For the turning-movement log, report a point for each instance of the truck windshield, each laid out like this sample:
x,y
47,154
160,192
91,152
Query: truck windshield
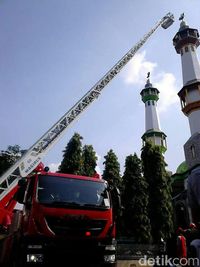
x,y
62,191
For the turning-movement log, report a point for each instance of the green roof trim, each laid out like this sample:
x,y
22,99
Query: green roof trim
x,y
146,98
150,89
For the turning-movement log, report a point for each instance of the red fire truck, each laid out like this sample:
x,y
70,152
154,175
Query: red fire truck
x,y
66,218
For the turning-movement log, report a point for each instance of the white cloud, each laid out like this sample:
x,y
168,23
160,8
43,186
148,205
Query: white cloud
x,y
137,69
168,91
53,167
136,73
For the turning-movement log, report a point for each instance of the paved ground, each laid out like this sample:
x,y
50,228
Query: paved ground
x,y
126,263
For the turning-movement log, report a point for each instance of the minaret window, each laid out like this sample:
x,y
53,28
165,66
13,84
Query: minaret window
x,y
196,34
181,105
148,103
192,48
164,142
193,151
184,35
183,101
181,52
186,49
153,103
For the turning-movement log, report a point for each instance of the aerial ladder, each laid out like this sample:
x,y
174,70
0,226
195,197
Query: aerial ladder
x,y
31,159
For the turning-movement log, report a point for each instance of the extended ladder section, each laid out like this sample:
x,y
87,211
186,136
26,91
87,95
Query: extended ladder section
x,y
29,161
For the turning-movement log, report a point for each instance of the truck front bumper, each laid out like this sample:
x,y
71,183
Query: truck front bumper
x,y
62,253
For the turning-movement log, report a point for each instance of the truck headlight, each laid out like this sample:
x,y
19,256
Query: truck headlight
x,y
109,258
35,258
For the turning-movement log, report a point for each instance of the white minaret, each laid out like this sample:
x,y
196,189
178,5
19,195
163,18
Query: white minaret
x,y
152,126
186,42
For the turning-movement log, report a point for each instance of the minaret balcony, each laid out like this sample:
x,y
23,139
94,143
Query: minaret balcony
x,y
150,94
190,97
185,37
156,137
189,108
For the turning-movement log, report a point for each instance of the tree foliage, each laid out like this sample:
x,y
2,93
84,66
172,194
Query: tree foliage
x,y
111,171
160,203
72,157
111,174
135,201
89,160
8,157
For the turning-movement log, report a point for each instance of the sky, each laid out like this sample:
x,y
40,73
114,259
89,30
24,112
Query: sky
x,y
53,51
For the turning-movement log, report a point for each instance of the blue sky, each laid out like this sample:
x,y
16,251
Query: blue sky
x,y
53,51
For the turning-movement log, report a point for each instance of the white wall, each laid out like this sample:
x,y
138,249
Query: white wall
x,y
190,65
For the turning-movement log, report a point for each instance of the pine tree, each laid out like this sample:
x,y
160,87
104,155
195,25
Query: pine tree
x,y
89,159
135,201
160,204
111,172
72,157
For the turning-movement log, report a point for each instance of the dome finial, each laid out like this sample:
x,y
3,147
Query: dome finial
x,y
183,24
148,77
148,83
182,16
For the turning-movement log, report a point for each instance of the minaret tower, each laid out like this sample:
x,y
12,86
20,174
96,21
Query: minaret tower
x,y
152,126
186,42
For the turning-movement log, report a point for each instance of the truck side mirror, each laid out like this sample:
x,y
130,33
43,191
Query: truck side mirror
x,y
21,190
116,198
